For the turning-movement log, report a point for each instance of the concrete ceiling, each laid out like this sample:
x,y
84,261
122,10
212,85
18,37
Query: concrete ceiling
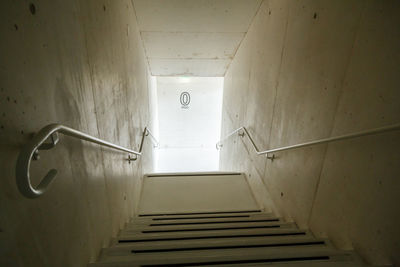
x,y
193,37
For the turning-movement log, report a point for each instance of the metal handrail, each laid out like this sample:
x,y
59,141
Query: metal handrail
x,y
154,140
243,131
31,151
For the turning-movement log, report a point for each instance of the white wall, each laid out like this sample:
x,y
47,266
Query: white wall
x,y
153,123
196,193
188,135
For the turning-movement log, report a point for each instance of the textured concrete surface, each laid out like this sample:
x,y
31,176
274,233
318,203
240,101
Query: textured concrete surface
x,y
309,70
193,38
80,63
362,176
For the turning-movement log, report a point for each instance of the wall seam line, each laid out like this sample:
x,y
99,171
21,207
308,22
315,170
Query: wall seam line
x,y
277,80
244,36
335,113
141,38
275,208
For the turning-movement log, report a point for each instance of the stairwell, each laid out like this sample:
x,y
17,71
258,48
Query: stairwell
x,y
219,238
293,72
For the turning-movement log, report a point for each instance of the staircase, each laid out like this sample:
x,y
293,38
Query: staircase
x,y
240,238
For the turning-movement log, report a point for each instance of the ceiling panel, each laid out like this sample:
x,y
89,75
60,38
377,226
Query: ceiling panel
x,y
191,45
193,37
195,15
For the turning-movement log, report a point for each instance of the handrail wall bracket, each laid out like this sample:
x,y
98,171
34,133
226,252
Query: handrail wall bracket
x,y
130,158
271,157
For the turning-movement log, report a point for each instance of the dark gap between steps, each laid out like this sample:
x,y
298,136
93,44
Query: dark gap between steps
x,y
313,258
218,222
208,237
229,247
199,213
196,218
209,229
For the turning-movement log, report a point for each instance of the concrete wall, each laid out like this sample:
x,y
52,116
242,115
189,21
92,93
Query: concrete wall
x,y
80,63
309,70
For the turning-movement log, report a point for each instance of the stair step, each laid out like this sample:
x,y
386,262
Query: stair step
x,y
186,174
209,225
234,238
309,263
205,228
205,232
201,213
214,240
212,234
232,256
201,219
145,247
213,222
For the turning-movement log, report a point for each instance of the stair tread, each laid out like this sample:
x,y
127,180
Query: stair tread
x,y
266,231
200,213
305,264
301,264
188,244
222,241
201,219
229,255
281,264
220,226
